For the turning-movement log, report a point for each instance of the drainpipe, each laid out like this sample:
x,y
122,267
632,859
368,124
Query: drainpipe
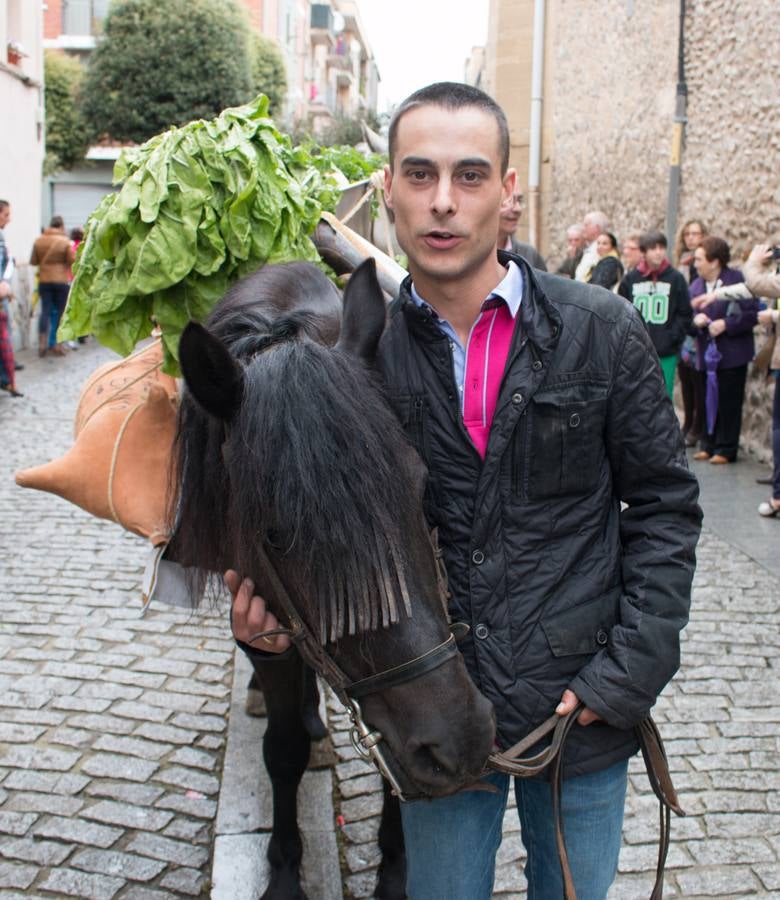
x,y
535,134
678,133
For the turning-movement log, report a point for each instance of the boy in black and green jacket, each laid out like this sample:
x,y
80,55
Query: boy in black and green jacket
x,y
660,294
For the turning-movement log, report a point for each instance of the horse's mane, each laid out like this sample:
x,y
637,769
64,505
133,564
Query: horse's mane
x,y
320,473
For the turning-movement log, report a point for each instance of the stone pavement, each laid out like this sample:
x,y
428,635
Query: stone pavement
x,y
112,727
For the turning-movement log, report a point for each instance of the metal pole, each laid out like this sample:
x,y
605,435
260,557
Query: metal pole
x,y
535,135
678,133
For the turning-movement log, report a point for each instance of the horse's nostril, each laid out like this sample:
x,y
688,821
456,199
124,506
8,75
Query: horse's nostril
x,y
433,758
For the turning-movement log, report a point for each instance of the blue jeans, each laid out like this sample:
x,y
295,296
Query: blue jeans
x,y
451,843
54,298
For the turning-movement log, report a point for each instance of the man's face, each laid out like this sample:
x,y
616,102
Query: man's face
x,y
574,242
510,215
655,255
590,229
5,216
447,191
632,255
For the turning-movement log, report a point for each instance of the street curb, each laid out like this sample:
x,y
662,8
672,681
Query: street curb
x,y
245,812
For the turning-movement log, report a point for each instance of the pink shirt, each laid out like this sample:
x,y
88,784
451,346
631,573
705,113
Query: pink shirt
x,y
479,366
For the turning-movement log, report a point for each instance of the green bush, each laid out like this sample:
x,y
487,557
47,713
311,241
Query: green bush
x,y
268,72
66,134
162,64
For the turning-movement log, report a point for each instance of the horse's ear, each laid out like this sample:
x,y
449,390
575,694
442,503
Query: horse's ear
x,y
212,376
363,319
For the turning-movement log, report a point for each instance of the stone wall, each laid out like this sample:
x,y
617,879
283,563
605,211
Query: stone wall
x,y
610,91
610,80
610,103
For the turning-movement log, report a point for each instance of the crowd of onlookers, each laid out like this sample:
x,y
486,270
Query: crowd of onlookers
x,y
53,252
701,314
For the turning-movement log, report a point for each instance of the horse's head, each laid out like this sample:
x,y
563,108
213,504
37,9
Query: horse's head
x,y
311,470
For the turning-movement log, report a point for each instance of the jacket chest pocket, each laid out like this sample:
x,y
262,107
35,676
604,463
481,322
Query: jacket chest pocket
x,y
559,444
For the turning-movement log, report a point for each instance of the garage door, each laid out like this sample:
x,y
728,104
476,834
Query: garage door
x,y
75,202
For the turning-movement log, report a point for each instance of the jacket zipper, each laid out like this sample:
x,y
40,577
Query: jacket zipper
x,y
519,455
418,422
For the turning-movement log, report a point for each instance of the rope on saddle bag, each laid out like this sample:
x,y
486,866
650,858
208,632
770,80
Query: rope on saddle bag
x,y
512,762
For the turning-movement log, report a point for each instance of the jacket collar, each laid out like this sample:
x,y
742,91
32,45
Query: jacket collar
x,y
645,270
539,321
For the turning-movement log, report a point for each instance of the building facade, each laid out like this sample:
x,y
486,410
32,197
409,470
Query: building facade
x,y
344,74
23,144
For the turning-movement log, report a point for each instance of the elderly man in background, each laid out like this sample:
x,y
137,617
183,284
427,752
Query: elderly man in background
x,y
507,226
594,224
575,242
631,251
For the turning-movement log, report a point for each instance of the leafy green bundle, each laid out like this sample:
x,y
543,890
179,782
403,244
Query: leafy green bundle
x,y
199,207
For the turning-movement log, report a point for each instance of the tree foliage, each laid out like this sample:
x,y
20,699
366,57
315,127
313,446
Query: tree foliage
x,y
162,64
66,134
268,73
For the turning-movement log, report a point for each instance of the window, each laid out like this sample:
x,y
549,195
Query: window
x,y
83,17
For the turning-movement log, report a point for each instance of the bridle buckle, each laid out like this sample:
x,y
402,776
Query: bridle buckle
x,y
366,742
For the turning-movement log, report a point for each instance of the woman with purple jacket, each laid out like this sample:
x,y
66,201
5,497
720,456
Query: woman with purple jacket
x,y
729,324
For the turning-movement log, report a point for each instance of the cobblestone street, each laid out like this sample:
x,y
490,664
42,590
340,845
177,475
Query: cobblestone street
x,y
113,726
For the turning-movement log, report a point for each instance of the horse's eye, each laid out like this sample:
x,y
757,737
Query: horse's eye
x,y
275,540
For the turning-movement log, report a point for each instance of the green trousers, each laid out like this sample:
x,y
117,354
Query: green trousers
x,y
668,366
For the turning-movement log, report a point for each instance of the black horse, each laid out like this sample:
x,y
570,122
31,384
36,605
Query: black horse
x,y
288,452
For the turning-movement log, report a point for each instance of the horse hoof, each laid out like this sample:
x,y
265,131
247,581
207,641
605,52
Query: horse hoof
x,y
284,889
391,879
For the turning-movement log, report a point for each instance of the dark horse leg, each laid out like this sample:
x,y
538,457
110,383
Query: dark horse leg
x,y
286,748
256,707
292,701
391,877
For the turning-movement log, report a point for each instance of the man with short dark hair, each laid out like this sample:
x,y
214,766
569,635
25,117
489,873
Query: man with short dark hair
x,y
538,408
660,293
507,226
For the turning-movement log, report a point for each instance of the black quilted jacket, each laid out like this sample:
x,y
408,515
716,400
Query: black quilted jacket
x,y
561,587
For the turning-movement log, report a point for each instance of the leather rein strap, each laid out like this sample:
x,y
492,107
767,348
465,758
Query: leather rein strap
x,y
512,762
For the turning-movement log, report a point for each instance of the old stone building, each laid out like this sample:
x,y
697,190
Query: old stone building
x,y
608,80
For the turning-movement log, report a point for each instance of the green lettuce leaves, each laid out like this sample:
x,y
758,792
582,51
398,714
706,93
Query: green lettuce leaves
x,y
197,208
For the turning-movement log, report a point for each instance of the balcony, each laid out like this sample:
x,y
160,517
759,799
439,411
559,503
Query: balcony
x,y
321,24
